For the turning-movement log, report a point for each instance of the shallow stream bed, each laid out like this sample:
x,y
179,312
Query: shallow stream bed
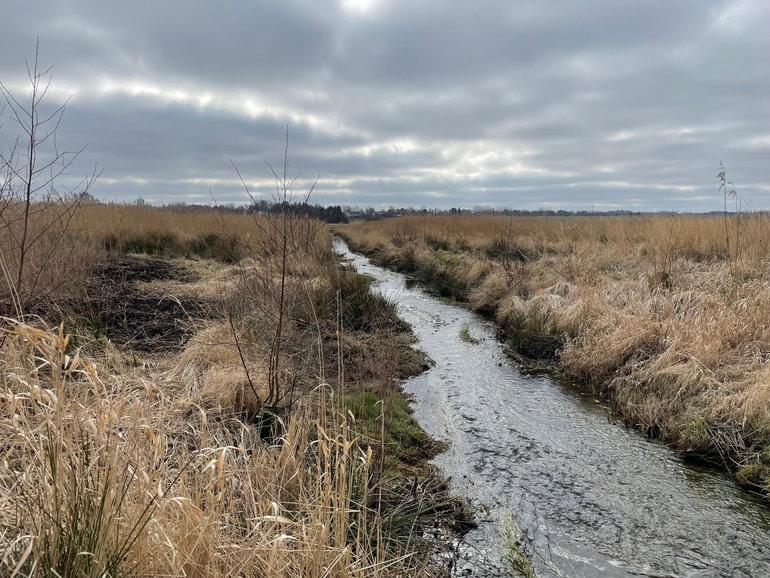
x,y
592,497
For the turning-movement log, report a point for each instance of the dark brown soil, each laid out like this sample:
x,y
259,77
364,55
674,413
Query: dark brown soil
x,y
135,319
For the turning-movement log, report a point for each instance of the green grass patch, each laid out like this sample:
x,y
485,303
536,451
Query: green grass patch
x,y
754,475
449,259
405,441
696,436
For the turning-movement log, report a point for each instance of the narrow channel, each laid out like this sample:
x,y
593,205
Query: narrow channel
x,y
592,497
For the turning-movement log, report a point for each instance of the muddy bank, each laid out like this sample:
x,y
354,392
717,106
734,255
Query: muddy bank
x,y
118,303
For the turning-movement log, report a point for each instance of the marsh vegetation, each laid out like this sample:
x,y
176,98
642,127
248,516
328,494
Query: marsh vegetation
x,y
664,316
207,394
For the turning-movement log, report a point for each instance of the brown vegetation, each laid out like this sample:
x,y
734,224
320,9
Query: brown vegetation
x,y
227,405
38,255
667,316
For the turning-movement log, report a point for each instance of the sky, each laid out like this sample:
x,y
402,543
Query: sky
x,y
571,104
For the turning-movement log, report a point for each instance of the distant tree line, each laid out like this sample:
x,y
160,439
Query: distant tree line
x,y
370,214
343,214
327,214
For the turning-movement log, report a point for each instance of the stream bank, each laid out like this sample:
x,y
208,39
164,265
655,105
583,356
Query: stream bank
x,y
592,497
644,348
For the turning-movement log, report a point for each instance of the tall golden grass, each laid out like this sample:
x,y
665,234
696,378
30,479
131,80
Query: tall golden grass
x,y
236,456
695,236
668,316
70,240
106,475
55,261
98,220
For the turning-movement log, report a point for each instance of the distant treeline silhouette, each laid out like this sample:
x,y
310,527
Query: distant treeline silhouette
x,y
346,213
328,214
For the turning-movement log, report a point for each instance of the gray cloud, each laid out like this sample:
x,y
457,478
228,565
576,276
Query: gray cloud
x,y
526,104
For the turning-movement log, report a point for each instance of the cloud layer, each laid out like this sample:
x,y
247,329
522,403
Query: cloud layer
x,y
542,103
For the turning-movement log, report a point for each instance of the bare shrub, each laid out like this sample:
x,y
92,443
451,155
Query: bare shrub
x,y
273,287
37,251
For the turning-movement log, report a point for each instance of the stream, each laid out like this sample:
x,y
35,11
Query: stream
x,y
592,497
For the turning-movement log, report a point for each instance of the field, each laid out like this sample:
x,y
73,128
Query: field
x,y
667,317
204,394
207,393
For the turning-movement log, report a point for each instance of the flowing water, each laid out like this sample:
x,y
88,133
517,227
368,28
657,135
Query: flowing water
x,y
592,497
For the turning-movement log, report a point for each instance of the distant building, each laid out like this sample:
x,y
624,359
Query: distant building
x,y
140,202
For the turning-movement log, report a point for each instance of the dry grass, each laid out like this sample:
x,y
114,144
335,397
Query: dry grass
x,y
184,463
70,242
100,220
56,262
121,474
660,314
516,556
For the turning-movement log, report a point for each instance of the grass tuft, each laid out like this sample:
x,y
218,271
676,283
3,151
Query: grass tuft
x,y
516,556
465,335
223,248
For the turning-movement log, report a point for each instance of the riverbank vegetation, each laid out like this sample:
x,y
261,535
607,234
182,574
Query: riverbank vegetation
x,y
204,394
665,316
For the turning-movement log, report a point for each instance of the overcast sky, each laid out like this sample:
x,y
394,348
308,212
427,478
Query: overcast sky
x,y
545,103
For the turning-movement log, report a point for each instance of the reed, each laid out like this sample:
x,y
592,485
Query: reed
x,y
515,555
115,475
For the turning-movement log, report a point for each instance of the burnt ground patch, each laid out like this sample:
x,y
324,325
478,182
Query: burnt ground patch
x,y
119,309
124,269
